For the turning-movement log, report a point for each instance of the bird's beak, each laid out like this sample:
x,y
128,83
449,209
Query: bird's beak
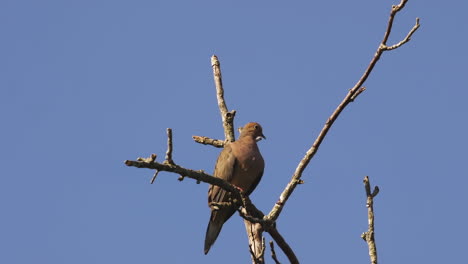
x,y
260,137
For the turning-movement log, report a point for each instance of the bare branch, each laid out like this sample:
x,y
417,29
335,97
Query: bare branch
x,y
253,221
168,159
256,242
350,96
273,253
369,235
198,175
357,93
243,213
283,245
227,117
250,212
407,38
254,225
209,141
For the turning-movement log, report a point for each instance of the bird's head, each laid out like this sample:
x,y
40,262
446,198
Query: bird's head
x,y
252,129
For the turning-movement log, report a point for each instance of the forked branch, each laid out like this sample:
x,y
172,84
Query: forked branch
x,y
369,235
350,96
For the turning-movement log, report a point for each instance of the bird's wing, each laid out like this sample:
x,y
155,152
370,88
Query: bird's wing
x,y
255,183
224,169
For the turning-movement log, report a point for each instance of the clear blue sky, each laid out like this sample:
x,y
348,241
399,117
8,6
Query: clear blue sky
x,y
86,85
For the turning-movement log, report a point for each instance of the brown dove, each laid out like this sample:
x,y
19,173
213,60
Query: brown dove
x,y
241,164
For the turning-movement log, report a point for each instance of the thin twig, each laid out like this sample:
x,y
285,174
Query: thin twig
x,y
369,235
169,148
407,38
209,141
152,159
357,93
273,253
273,231
227,117
154,176
350,96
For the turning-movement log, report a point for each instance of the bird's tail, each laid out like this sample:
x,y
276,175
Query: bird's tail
x,y
212,232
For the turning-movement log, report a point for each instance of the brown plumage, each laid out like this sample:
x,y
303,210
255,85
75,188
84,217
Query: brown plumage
x,y
241,164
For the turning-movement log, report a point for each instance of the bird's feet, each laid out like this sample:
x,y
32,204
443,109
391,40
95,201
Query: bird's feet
x,y
239,188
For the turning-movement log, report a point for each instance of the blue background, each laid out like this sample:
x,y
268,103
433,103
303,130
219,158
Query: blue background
x,y
86,85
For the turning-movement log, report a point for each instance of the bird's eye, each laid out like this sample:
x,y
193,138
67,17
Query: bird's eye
x,y
256,127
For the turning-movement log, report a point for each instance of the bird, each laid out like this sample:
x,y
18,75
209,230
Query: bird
x,y
241,164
